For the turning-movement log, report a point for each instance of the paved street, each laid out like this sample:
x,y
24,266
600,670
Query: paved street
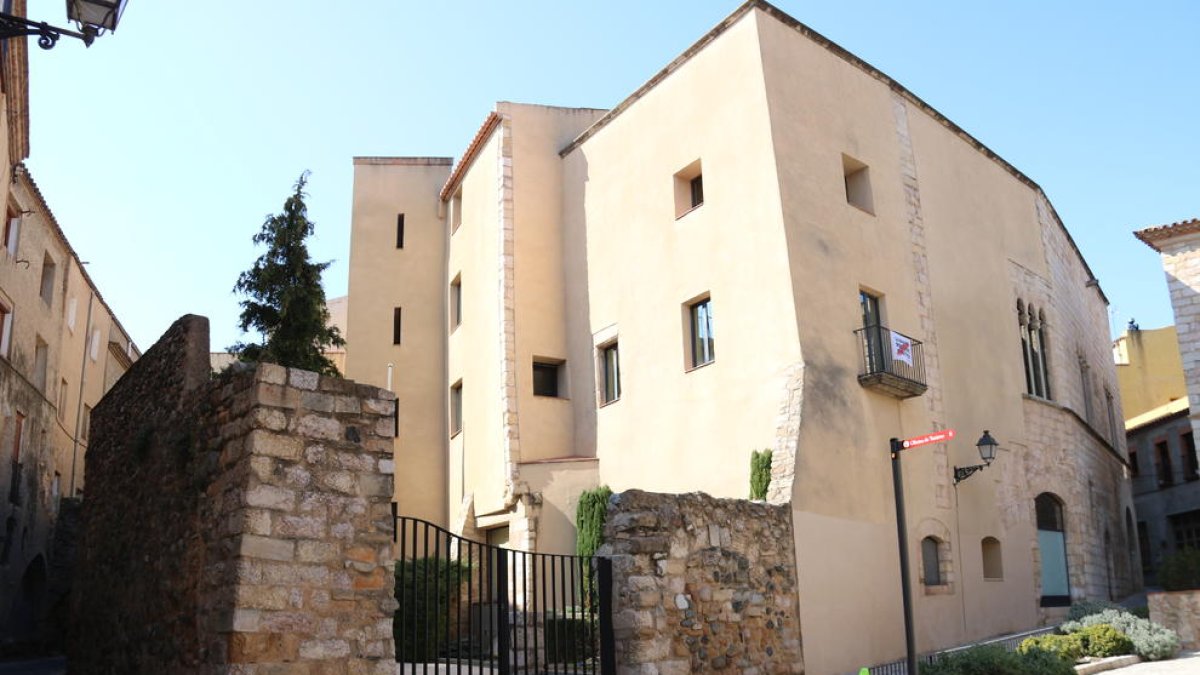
x,y
1187,663
55,666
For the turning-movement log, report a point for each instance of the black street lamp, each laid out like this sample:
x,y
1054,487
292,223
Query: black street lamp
x,y
987,452
93,17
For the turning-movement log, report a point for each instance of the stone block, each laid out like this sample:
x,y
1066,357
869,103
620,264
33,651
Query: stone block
x,y
266,548
324,649
308,527
271,373
319,402
271,497
270,418
318,426
315,551
338,481
265,443
263,597
263,647
303,379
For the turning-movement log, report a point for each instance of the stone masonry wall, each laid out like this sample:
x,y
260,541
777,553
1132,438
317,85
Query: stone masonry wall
x,y
237,524
1179,611
702,584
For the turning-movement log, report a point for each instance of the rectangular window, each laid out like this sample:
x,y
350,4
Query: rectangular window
x,y
1186,529
12,233
1191,464
545,378
48,270
703,343
456,206
94,348
62,399
610,363
872,322
456,421
1112,417
456,302
399,230
1162,464
689,189
41,358
6,319
1133,464
396,325
71,311
857,179
85,423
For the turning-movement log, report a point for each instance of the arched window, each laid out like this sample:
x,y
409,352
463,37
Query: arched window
x,y
1052,547
993,563
1031,322
930,564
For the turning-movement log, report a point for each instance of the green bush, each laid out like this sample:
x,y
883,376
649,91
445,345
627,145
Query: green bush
x,y
589,520
1087,607
1150,640
1181,571
438,585
1067,647
1141,610
1103,640
760,473
993,660
570,640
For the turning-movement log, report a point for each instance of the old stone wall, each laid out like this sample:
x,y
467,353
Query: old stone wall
x,y
1179,611
702,584
237,524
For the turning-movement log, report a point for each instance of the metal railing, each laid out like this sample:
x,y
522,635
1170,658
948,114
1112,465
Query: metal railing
x,y
1007,642
883,350
471,607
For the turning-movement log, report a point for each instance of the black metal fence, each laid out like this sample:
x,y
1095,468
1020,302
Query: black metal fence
x,y
470,607
886,351
1007,642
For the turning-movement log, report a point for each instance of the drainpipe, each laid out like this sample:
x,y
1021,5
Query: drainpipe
x,y
87,339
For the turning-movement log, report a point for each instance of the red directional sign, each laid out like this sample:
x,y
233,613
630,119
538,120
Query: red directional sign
x,y
928,439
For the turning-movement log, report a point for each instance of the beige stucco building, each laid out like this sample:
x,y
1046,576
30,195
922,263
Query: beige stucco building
x,y
740,256
61,348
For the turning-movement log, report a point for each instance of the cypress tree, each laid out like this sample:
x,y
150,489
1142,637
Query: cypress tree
x,y
285,302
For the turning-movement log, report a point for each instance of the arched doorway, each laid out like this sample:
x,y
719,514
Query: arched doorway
x,y
1052,544
27,610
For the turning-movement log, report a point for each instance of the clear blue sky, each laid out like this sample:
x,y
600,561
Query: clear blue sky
x,y
162,148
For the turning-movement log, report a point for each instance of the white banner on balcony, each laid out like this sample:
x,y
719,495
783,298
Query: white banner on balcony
x,y
901,348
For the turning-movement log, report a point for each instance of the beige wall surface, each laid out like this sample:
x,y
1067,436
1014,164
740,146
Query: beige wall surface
x,y
1149,369
383,277
559,482
632,266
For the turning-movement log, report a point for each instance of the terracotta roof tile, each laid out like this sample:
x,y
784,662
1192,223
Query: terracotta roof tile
x,y
1154,236
485,131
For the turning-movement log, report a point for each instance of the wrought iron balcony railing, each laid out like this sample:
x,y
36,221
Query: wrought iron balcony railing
x,y
891,362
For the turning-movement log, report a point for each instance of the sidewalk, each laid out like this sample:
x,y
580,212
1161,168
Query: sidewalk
x,y
1187,663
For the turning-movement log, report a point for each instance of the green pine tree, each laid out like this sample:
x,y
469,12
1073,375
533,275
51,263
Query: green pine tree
x,y
285,302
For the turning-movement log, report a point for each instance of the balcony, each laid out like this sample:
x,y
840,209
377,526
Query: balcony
x,y
890,362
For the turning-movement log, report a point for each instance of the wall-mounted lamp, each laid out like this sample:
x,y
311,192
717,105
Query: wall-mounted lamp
x,y
93,17
987,452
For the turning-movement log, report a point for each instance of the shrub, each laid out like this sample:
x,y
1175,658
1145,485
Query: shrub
x,y
1067,647
1181,571
760,473
569,640
1089,607
993,660
1150,640
428,588
589,520
1103,640
1141,610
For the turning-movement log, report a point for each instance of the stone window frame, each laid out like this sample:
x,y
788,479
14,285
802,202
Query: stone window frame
x,y
1035,352
947,576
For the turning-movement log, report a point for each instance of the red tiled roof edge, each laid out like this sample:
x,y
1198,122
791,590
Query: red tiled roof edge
x,y
485,130
1153,236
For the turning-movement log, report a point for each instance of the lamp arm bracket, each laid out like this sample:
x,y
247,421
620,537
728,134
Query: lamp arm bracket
x,y
17,26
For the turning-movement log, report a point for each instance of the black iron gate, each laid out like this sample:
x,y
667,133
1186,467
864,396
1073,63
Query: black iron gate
x,y
471,607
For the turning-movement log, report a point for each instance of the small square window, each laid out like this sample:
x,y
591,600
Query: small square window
x,y
396,325
610,372
702,343
399,230
456,421
858,184
546,379
12,233
689,189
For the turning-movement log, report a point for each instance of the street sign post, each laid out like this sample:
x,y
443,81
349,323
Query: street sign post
x,y
897,446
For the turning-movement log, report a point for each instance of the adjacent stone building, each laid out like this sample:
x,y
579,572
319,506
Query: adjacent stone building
x,y
770,244
1163,369
61,348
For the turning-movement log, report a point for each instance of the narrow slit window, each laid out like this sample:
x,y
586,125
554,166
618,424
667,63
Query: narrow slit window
x,y
456,302
399,230
456,421
610,362
396,325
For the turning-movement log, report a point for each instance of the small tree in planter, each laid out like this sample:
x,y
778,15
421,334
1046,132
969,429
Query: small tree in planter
x,y
1177,607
